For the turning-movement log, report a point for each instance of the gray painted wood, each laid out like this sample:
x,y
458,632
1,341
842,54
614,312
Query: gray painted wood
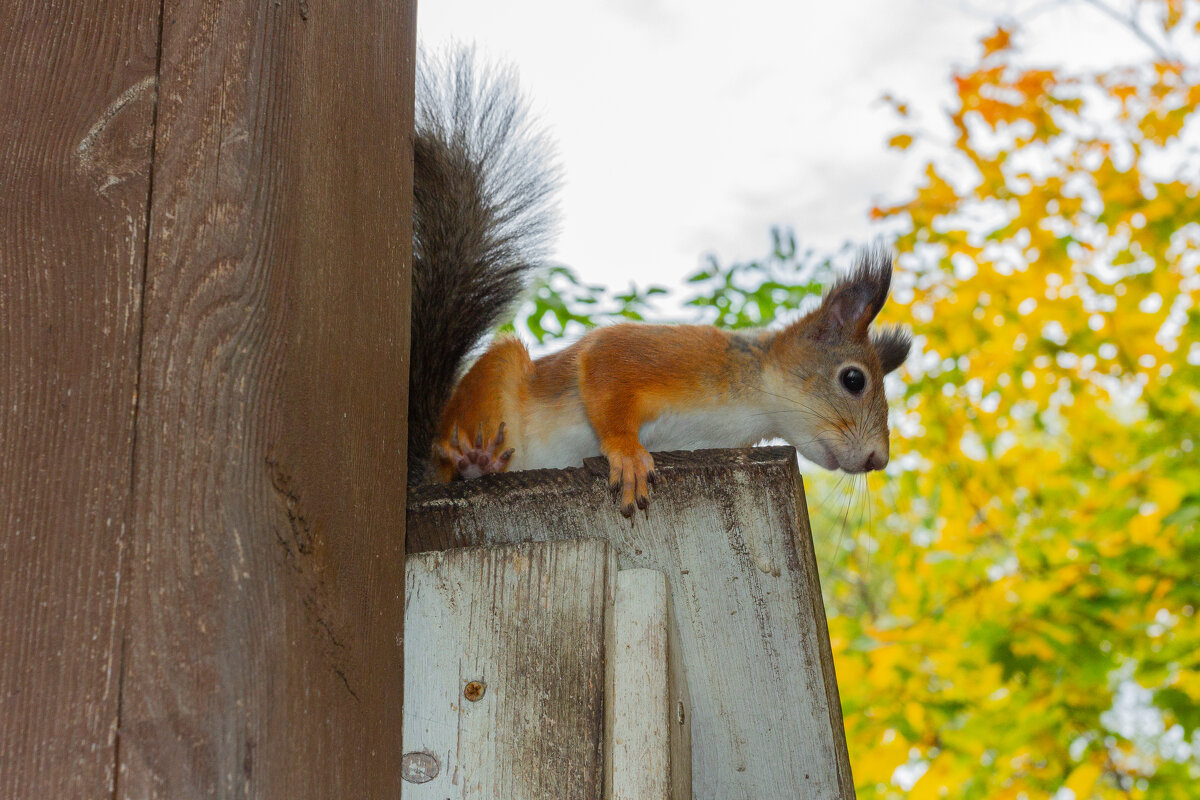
x,y
528,624
649,717
729,529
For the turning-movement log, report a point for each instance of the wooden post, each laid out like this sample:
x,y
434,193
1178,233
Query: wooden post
x,y
76,126
203,304
729,530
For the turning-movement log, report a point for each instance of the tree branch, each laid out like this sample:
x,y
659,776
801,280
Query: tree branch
x,y
1130,22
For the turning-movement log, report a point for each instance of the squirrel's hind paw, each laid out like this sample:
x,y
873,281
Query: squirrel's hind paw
x,y
473,459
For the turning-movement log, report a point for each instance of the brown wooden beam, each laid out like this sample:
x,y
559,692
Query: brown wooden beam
x,y
77,94
204,499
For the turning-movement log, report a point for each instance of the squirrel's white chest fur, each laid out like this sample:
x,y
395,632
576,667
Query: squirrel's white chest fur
x,y
699,430
552,446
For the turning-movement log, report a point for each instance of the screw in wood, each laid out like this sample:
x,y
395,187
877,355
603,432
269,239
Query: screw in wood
x,y
474,690
419,767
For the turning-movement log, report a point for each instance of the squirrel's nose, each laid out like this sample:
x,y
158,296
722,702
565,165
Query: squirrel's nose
x,y
875,461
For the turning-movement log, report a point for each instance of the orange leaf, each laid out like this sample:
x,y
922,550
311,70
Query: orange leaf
x,y
901,141
1123,91
1174,13
999,41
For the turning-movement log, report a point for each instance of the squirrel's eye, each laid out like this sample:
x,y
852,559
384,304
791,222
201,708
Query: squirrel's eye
x,y
854,380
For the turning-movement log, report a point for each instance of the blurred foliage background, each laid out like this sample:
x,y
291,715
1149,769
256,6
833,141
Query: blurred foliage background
x,y
1013,605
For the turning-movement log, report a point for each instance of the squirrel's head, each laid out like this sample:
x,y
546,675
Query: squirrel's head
x,y
826,371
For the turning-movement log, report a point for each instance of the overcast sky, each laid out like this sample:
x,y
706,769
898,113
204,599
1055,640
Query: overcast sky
x,y
692,126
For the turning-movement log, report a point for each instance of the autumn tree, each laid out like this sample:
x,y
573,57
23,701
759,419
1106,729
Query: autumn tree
x,y
1031,620
1013,605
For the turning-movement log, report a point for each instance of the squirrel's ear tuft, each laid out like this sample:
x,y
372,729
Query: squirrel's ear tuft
x,y
856,299
891,346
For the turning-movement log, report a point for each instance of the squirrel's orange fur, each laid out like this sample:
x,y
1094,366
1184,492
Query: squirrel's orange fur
x,y
483,184
622,387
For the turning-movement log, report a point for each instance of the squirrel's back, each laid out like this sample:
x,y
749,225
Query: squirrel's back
x,y
483,177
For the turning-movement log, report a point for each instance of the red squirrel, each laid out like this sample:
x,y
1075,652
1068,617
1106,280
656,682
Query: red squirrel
x,y
482,184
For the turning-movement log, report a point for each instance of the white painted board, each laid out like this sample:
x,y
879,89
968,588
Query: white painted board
x,y
522,629
648,711
729,530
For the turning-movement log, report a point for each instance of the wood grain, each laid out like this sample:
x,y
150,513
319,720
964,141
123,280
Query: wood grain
x,y
265,567
521,629
729,529
77,91
650,716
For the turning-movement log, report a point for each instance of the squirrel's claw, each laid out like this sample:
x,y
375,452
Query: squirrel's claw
x,y
630,475
473,459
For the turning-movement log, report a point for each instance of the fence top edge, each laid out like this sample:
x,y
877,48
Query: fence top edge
x,y
677,464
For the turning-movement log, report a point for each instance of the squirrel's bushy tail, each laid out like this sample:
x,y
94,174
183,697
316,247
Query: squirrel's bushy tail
x,y
483,178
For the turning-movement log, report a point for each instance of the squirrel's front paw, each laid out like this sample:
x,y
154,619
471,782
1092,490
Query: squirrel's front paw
x,y
631,474
472,459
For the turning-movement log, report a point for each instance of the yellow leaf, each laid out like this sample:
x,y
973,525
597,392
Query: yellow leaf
x,y
883,760
914,713
901,141
932,784
1188,681
1082,780
1166,493
1104,457
1145,528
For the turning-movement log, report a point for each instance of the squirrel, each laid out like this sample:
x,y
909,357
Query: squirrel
x,y
483,181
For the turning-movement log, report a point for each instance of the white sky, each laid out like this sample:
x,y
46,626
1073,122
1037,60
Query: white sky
x,y
689,127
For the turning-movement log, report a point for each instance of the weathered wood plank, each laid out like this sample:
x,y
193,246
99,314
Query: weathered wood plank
x,y
77,89
730,531
649,715
264,573
680,710
505,671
